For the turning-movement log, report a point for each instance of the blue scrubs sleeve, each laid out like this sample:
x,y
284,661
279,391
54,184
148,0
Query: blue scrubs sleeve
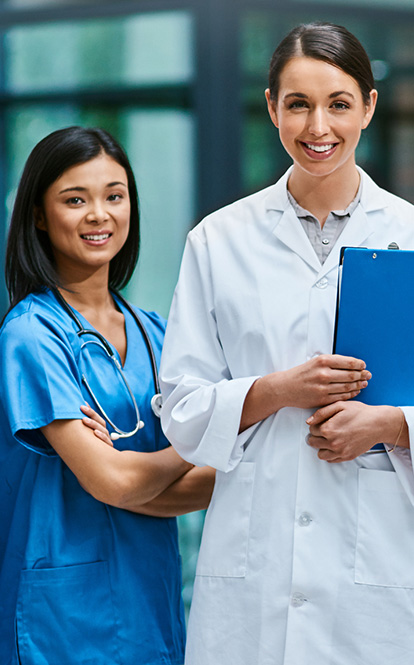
x,y
40,380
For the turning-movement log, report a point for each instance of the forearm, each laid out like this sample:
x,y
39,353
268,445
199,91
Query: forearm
x,y
124,479
147,475
265,397
189,493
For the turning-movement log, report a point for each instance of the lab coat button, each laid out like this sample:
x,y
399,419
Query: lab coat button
x,y
304,519
325,241
322,284
297,600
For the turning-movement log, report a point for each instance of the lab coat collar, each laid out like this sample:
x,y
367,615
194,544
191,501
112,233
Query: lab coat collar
x,y
288,229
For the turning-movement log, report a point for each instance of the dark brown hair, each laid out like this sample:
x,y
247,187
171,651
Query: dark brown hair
x,y
331,43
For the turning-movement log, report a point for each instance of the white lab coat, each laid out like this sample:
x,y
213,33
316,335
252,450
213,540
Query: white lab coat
x,y
302,562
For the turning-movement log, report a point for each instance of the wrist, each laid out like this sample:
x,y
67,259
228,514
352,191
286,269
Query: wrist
x,y
393,427
280,390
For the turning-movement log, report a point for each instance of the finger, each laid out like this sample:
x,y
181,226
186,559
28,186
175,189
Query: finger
x,y
104,436
324,413
329,456
340,388
317,441
342,397
348,376
85,408
347,362
92,424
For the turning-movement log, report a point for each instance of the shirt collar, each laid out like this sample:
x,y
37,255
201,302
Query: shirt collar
x,y
302,212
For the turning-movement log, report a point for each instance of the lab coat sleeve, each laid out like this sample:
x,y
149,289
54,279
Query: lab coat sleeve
x,y
401,458
202,401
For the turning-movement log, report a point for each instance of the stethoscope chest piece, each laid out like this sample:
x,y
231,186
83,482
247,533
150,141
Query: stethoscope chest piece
x,y
156,404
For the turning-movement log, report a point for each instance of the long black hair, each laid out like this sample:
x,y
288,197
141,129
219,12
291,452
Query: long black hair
x,y
331,43
30,263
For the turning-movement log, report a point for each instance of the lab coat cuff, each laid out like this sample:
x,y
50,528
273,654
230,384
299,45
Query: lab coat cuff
x,y
222,447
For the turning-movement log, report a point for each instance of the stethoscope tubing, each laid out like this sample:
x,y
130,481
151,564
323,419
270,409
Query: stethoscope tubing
x,y
156,401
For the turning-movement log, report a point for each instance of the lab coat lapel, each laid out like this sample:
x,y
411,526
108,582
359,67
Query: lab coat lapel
x,y
287,227
290,231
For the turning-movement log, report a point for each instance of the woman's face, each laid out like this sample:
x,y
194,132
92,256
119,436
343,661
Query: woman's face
x,y
320,113
86,214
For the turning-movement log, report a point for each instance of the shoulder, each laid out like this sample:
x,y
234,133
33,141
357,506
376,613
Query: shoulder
x,y
35,316
376,198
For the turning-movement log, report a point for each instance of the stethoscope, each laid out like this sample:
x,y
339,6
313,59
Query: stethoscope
x,y
156,401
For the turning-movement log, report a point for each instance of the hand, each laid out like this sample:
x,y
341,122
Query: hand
x,y
94,421
345,430
324,380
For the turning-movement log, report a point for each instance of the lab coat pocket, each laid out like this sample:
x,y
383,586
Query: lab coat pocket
x,y
224,546
66,616
385,540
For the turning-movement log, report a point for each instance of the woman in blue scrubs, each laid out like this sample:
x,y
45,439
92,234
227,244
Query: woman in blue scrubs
x,y
90,568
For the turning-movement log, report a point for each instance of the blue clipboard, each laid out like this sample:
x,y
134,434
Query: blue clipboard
x,y
375,320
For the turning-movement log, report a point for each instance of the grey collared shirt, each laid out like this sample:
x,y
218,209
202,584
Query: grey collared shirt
x,y
322,240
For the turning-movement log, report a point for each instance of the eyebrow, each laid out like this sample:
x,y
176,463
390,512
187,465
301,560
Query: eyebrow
x,y
302,95
84,189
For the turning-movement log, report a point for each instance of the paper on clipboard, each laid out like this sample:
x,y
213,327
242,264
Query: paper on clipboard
x,y
375,320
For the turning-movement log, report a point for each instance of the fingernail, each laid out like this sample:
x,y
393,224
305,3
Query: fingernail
x,y
310,419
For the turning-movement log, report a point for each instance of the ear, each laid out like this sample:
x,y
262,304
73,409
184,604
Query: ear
x,y
40,220
370,108
271,107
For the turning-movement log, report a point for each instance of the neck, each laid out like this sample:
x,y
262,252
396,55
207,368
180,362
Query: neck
x,y
322,194
86,293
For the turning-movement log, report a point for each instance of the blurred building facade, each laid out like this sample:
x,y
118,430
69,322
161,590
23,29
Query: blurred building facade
x,y
181,85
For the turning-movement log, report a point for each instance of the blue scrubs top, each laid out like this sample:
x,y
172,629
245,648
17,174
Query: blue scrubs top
x,y
80,581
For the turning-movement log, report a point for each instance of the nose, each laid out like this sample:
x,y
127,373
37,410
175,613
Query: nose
x,y
318,123
97,213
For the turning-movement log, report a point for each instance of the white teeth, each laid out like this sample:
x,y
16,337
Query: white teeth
x,y
320,148
101,236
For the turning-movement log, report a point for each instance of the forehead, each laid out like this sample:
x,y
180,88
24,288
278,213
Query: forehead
x,y
100,169
311,76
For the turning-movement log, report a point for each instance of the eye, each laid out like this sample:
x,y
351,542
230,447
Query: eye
x,y
115,197
340,106
74,200
298,104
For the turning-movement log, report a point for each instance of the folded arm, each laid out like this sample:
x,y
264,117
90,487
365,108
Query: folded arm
x,y
125,479
189,493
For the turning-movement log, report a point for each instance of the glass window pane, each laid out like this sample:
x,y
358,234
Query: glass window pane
x,y
147,49
160,145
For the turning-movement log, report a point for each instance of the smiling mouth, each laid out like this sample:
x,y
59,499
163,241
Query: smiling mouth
x,y
95,236
318,147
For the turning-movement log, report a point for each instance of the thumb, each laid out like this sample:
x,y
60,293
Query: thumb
x,y
323,414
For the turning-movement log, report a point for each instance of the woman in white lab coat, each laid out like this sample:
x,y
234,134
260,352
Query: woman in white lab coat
x,y
307,551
